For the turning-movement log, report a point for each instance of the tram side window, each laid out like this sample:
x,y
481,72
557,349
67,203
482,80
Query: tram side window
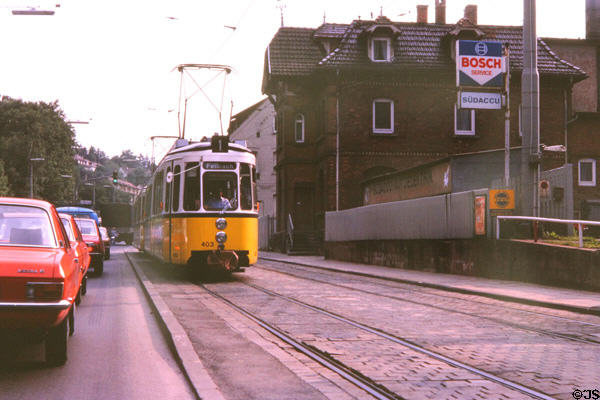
x,y
245,187
191,187
176,182
148,202
254,192
219,191
157,200
168,192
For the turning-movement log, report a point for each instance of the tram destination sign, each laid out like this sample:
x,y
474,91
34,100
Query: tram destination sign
x,y
480,64
481,100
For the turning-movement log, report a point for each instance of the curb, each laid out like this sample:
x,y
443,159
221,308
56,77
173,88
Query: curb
x,y
191,365
566,307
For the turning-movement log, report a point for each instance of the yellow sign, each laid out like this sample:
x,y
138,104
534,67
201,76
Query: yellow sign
x,y
503,199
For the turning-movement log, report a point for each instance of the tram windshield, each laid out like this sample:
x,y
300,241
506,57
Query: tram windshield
x,y
219,191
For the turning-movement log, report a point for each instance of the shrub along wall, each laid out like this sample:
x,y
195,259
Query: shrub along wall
x,y
503,259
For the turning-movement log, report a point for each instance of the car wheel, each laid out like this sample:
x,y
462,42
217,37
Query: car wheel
x,y
108,254
99,267
78,298
56,343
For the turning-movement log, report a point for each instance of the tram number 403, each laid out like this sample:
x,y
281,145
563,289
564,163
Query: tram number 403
x,y
208,244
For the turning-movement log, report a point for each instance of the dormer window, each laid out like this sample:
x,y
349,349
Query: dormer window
x,y
380,49
381,37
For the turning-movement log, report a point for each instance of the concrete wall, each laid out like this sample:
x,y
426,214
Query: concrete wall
x,y
503,259
448,216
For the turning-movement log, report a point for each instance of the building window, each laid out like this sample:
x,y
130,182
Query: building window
x,y
299,128
257,133
380,49
587,172
464,121
383,116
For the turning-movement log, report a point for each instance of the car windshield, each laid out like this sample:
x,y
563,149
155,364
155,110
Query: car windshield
x,y
104,233
25,226
87,227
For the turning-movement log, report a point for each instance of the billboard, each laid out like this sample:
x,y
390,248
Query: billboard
x,y
480,64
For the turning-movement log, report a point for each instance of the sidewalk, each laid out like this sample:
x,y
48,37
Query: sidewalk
x,y
546,296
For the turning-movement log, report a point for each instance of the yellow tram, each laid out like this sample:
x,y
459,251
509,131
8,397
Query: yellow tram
x,y
200,207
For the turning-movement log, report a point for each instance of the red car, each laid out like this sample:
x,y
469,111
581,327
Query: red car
x,y
81,249
91,235
40,274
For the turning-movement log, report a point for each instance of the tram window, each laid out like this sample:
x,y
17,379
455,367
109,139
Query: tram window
x,y
148,202
157,200
168,192
254,193
191,187
176,182
219,189
245,187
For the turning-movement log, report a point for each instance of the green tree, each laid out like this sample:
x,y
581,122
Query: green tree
x,y
4,188
37,130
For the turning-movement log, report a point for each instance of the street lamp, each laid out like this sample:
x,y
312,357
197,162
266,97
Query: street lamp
x,y
31,174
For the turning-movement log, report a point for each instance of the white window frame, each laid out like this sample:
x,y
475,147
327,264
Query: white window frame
x,y
458,132
387,130
586,183
299,118
387,47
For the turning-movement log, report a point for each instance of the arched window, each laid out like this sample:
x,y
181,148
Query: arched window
x,y
299,128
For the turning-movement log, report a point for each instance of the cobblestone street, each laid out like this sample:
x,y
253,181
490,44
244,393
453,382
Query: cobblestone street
x,y
550,351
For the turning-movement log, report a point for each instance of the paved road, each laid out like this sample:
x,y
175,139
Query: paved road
x,y
552,351
117,351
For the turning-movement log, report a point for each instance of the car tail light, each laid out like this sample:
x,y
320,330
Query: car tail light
x,y
44,290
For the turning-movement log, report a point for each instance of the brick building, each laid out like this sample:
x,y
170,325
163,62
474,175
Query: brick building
x,y
369,97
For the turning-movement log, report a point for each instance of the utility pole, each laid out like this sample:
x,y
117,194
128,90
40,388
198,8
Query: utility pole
x,y
530,117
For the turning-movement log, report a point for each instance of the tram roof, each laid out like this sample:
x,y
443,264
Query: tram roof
x,y
206,146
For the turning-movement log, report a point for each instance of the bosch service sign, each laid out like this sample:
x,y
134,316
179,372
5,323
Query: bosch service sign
x,y
480,64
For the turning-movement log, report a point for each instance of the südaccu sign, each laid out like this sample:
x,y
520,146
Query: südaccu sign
x,y
480,64
480,100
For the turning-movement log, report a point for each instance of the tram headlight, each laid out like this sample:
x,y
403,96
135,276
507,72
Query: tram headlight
x,y
221,237
221,223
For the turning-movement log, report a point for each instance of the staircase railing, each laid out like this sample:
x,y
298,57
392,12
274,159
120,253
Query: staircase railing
x,y
290,231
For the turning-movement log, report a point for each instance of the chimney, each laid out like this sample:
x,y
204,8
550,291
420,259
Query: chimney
x,y
421,14
471,13
592,19
440,11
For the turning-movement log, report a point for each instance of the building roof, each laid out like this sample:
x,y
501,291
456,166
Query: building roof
x,y
417,46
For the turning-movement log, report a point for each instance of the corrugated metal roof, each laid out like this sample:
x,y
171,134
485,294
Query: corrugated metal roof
x,y
295,51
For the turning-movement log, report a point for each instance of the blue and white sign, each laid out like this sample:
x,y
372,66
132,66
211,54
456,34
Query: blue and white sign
x,y
480,100
480,64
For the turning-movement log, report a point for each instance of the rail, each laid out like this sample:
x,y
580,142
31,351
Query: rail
x,y
580,224
290,230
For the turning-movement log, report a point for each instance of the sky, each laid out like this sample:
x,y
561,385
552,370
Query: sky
x,y
112,63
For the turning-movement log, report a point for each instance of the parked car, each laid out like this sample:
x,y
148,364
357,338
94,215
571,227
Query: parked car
x,y
91,235
106,240
39,275
80,212
81,250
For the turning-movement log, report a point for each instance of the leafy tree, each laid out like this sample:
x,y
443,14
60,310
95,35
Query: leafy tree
x,y
4,188
37,130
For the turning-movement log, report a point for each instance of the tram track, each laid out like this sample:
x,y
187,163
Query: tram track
x,y
353,376
455,311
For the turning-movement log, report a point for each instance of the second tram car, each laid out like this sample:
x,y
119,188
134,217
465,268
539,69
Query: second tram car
x,y
200,207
